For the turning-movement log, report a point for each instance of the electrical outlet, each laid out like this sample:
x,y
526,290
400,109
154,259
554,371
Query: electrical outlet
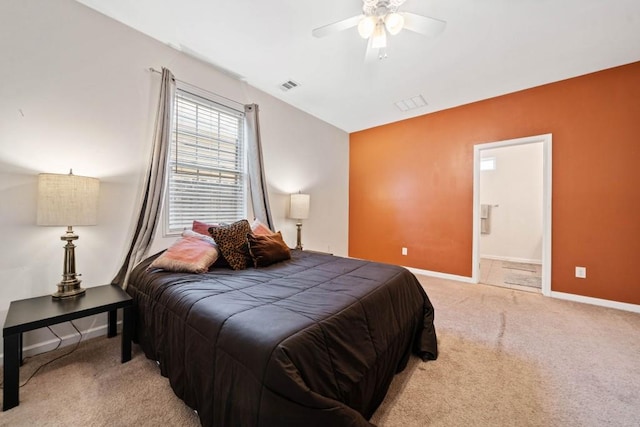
x,y
404,251
581,272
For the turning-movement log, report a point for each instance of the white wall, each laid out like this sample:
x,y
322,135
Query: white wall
x,y
516,187
75,92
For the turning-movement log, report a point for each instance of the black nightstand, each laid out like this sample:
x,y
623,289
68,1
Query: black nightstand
x,y
33,313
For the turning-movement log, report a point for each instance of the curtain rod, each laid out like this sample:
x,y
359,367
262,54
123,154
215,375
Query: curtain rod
x,y
153,70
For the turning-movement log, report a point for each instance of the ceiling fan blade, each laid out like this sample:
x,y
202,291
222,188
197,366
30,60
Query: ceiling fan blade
x,y
337,26
424,25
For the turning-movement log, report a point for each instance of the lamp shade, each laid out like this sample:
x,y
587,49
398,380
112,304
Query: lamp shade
x,y
394,23
299,207
366,26
67,200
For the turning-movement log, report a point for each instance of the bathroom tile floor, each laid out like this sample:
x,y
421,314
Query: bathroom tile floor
x,y
513,275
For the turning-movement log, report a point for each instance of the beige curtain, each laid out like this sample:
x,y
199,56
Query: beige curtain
x,y
154,182
257,181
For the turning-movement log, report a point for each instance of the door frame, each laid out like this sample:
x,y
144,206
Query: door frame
x,y
546,140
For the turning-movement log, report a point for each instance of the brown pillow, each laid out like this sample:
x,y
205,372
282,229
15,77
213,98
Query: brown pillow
x,y
266,249
232,242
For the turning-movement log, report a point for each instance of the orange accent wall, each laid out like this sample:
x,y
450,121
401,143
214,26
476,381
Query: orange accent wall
x,y
411,182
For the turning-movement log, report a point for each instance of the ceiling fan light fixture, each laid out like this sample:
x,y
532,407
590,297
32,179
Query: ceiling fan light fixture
x,y
379,40
379,17
366,26
394,23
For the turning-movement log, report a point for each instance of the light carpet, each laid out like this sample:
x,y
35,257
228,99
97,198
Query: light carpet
x,y
507,358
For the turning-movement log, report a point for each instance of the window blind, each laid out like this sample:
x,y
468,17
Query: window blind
x,y
207,180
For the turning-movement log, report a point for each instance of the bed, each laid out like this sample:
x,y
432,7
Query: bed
x,y
313,341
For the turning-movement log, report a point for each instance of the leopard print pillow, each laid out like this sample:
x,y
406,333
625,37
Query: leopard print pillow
x,y
232,242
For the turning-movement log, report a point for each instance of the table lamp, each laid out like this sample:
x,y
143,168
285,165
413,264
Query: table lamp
x,y
67,200
299,210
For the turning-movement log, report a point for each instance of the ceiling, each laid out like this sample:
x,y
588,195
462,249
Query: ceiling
x,y
488,48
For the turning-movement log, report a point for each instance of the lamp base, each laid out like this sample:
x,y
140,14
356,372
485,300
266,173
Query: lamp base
x,y
68,291
69,287
299,237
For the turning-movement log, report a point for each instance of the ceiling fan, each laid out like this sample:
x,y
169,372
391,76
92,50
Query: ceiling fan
x,y
379,17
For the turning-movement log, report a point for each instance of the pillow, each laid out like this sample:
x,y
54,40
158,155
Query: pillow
x,y
267,249
206,237
258,227
232,242
189,254
202,227
219,262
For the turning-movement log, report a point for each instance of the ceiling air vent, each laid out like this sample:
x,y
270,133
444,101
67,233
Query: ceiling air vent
x,y
411,103
288,85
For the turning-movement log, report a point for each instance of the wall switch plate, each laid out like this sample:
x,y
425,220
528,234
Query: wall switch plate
x,y
581,272
404,251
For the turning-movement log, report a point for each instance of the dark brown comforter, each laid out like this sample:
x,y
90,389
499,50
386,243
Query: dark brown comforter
x,y
314,341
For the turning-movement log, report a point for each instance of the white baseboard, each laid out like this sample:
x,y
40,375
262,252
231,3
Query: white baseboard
x,y
560,295
512,259
67,340
440,275
597,301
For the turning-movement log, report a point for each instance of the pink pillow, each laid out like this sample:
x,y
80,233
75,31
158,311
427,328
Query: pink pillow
x,y
202,227
259,228
189,254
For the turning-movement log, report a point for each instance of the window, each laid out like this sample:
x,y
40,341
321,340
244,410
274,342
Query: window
x,y
206,177
488,164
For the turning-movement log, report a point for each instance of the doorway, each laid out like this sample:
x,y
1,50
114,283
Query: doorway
x,y
520,248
